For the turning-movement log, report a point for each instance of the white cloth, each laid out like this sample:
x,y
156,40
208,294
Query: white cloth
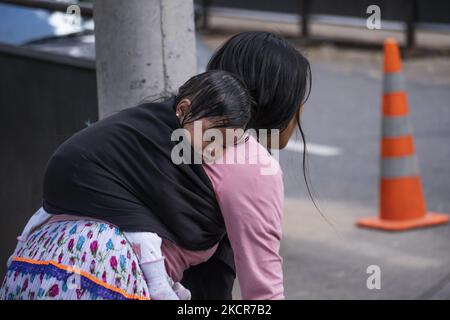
x,y
146,246
36,220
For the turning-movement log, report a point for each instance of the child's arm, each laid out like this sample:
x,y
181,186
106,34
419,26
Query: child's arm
x,y
147,247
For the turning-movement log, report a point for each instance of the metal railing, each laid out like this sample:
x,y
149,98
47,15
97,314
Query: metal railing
x,y
410,13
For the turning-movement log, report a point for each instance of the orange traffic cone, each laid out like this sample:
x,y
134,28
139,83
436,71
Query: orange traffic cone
x,y
402,203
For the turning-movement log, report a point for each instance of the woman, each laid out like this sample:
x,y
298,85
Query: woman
x,y
279,79
111,184
251,204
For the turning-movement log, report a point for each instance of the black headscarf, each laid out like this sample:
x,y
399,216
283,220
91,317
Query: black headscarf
x,y
119,170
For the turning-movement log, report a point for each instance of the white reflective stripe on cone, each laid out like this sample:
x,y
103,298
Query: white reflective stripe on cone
x,y
395,126
393,82
399,167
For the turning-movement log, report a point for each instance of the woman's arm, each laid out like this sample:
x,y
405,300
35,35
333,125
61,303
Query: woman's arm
x,y
251,205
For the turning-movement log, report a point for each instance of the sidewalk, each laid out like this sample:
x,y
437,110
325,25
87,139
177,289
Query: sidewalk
x,y
323,264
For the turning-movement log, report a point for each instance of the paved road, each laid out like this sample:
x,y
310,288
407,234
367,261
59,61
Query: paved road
x,y
343,113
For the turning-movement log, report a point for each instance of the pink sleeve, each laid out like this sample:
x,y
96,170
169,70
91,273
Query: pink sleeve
x,y
252,206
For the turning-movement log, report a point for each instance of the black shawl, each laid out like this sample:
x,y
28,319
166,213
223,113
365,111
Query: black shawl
x,y
119,170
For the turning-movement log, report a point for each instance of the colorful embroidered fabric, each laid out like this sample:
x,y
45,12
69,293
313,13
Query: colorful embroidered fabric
x,y
75,260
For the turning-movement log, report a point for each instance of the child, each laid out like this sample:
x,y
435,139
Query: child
x,y
218,101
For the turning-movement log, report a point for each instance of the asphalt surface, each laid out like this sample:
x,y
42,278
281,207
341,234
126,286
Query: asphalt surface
x,y
344,113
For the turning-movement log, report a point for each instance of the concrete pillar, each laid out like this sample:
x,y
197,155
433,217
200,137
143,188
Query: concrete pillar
x,y
144,48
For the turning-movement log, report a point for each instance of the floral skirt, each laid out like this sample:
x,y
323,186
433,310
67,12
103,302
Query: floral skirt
x,y
74,260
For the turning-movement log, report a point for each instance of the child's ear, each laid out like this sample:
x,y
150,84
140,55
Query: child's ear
x,y
183,108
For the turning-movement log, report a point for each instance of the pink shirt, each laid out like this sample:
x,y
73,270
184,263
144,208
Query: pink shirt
x,y
178,259
251,200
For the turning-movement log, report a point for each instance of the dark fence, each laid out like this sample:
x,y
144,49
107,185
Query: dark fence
x,y
411,12
44,99
431,11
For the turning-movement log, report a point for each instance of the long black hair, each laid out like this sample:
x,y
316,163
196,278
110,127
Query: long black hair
x,y
218,95
276,74
278,77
